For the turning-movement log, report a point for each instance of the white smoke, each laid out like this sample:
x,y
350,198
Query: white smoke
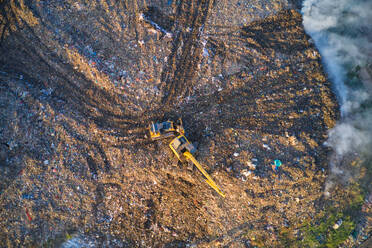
x,y
342,31
345,137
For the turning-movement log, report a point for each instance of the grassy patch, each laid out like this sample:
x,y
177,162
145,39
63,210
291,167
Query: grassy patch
x,y
322,232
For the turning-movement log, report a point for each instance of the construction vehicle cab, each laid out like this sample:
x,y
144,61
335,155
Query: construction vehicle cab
x,y
162,130
180,145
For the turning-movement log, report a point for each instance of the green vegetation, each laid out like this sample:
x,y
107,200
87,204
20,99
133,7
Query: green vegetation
x,y
322,232
324,235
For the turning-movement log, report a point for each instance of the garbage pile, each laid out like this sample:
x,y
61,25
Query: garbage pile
x,y
81,79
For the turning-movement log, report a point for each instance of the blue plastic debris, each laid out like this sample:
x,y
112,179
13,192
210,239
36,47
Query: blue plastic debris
x,y
27,196
277,163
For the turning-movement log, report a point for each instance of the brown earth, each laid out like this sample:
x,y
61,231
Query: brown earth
x,y
80,81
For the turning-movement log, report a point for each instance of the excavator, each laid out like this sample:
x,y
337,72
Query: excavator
x,y
166,129
184,151
181,147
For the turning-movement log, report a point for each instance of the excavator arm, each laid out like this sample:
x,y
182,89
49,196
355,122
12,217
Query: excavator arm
x,y
209,180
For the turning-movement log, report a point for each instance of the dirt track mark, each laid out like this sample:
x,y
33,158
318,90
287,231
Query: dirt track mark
x,y
178,74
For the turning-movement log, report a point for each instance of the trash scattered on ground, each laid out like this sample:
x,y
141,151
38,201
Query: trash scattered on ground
x,y
337,224
73,148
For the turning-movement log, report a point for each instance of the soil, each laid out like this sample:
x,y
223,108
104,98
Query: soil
x,y
81,80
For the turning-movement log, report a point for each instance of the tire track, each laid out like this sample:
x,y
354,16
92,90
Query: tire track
x,y
178,74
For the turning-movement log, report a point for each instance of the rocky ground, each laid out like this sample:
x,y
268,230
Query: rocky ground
x,y
80,81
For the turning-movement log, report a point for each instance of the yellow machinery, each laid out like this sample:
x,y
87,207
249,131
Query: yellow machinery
x,y
184,150
166,129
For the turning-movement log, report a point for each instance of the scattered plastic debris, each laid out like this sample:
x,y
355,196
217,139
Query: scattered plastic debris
x,y
246,173
102,124
28,215
266,146
337,224
28,196
251,165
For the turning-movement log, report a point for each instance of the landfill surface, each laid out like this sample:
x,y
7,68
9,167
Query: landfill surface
x,y
80,81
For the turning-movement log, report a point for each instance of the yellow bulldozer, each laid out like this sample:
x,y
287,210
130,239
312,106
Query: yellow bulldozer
x,y
166,129
180,146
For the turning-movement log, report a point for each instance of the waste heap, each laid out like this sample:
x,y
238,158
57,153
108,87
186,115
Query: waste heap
x,y
80,80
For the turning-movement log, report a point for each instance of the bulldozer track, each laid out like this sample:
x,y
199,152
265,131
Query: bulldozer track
x,y
178,74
